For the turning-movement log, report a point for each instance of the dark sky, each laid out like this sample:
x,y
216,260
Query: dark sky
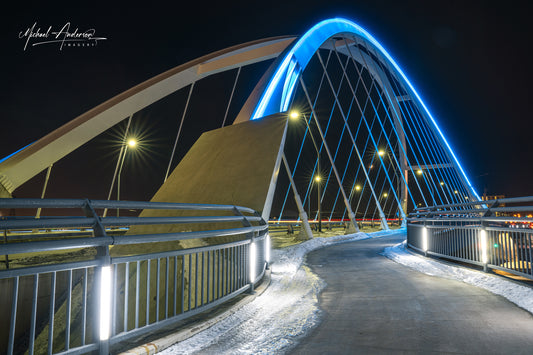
x,y
469,60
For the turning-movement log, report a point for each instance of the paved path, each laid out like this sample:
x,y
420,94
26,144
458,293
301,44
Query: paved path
x,y
372,305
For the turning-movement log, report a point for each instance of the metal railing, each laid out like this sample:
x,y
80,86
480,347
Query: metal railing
x,y
96,299
496,234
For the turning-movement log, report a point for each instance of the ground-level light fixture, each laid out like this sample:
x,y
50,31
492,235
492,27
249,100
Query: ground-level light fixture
x,y
105,302
424,239
484,251
253,261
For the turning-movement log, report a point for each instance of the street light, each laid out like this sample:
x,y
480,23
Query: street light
x,y
132,143
294,115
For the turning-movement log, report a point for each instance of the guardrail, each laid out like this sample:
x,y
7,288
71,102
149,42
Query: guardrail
x,y
101,299
496,234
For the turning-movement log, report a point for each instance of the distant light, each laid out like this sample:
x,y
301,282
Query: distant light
x,y
456,192
132,143
357,187
442,183
253,261
318,178
496,245
294,115
105,302
419,172
381,153
385,194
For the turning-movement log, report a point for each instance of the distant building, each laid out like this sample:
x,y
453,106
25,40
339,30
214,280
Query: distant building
x,y
486,197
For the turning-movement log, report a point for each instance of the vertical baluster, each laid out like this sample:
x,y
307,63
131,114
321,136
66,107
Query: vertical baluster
x,y
158,284
208,275
137,291
228,270
219,274
530,247
51,314
506,240
175,283
148,262
196,273
13,316
203,280
224,279
182,283
33,313
522,255
166,288
515,251
126,293
189,282
84,307
233,268
69,310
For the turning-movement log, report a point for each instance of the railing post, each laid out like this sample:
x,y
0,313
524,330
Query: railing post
x,y
104,307
484,246
425,238
252,250
252,262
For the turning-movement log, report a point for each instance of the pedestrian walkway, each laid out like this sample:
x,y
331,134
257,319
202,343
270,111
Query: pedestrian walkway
x,y
372,305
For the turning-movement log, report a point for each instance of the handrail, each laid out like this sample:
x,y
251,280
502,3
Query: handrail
x,y
493,237
80,203
186,282
490,206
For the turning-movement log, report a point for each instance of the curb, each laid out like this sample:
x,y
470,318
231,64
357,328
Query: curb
x,y
169,340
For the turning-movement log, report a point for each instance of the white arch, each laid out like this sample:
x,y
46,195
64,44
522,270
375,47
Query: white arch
x,y
34,158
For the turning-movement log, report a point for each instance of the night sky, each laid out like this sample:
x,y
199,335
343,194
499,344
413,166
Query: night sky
x,y
469,60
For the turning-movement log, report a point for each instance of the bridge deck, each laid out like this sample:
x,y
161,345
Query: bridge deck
x,y
374,305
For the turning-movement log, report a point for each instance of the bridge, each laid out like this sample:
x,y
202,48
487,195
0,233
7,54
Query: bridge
x,y
333,139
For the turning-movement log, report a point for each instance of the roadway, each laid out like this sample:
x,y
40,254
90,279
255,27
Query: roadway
x,y
372,305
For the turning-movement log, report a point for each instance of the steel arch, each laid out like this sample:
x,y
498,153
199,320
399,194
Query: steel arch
x,y
274,94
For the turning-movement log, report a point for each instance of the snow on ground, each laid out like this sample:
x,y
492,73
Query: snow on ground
x,y
274,320
518,294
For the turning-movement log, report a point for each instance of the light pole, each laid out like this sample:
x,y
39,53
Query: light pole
x,y
132,143
295,115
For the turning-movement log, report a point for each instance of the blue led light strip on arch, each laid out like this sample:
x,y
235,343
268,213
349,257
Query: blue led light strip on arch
x,y
279,91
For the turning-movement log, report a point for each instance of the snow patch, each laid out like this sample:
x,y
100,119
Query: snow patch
x,y
518,294
273,322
